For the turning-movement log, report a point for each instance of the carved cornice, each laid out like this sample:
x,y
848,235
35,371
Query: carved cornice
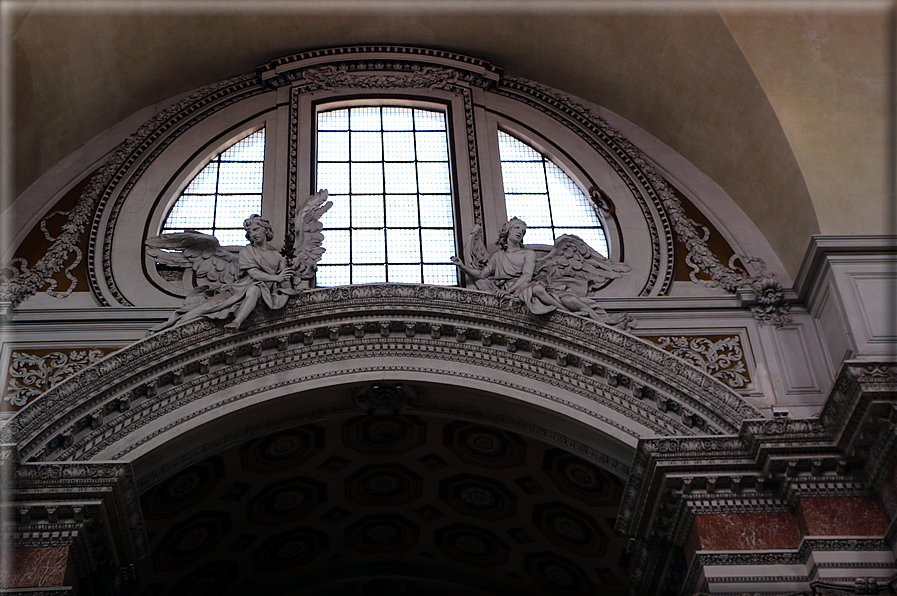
x,y
274,72
768,466
798,557
625,381
91,507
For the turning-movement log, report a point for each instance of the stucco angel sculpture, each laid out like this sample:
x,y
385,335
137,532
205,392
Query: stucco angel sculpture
x,y
562,279
232,284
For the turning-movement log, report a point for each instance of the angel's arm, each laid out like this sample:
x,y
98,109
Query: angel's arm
x,y
259,275
472,272
252,269
526,275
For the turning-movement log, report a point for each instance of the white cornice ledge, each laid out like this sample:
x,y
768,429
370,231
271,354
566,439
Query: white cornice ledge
x,y
823,247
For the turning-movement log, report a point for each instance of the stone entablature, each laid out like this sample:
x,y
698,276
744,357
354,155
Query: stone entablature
x,y
800,486
622,383
83,515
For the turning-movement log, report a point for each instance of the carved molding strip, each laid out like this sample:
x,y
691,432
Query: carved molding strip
x,y
617,372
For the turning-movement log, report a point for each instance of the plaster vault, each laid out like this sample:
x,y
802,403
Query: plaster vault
x,y
739,401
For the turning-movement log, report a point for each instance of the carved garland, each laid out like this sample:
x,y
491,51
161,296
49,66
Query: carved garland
x,y
772,307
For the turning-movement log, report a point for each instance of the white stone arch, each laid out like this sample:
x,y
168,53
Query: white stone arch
x,y
563,378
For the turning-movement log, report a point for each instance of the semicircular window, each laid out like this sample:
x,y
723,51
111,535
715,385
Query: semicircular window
x,y
223,194
540,193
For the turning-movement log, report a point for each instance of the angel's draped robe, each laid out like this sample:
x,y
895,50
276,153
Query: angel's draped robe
x,y
228,298
504,268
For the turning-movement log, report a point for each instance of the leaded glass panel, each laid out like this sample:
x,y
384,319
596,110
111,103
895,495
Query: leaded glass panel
x,y
223,194
545,197
387,170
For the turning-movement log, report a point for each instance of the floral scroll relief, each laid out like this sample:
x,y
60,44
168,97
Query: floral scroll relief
x,y
723,359
30,375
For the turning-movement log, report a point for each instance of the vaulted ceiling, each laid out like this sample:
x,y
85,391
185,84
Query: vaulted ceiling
x,y
784,104
386,504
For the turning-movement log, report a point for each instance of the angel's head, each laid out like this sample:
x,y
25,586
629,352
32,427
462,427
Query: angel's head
x,y
255,220
509,229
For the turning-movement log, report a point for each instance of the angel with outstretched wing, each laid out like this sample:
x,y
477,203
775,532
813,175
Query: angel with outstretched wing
x,y
562,279
308,239
227,284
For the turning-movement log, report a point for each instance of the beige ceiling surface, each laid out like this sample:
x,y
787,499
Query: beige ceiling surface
x,y
785,109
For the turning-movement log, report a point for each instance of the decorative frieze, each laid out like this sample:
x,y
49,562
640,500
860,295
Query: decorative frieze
x,y
721,356
353,316
30,373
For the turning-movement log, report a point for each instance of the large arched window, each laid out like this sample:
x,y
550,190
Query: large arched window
x,y
421,152
223,193
392,220
539,192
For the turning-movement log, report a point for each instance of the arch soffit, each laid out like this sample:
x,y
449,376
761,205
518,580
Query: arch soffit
x,y
574,368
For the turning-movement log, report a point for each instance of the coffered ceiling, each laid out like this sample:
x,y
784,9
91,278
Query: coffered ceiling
x,y
377,504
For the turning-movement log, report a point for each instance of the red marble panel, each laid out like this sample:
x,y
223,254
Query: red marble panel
x,y
692,544
889,493
744,531
35,568
842,516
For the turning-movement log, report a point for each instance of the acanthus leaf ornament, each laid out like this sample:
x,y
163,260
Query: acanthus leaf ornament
x,y
31,375
723,359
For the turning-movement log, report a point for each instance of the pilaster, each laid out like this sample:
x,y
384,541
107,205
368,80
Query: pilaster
x,y
788,506
70,528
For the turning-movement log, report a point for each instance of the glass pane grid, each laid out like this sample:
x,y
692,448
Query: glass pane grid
x,y
392,216
540,193
223,194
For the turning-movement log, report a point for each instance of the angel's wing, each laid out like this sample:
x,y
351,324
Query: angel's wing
x,y
475,254
308,237
573,259
212,265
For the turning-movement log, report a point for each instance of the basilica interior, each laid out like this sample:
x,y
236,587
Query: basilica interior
x,y
307,298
